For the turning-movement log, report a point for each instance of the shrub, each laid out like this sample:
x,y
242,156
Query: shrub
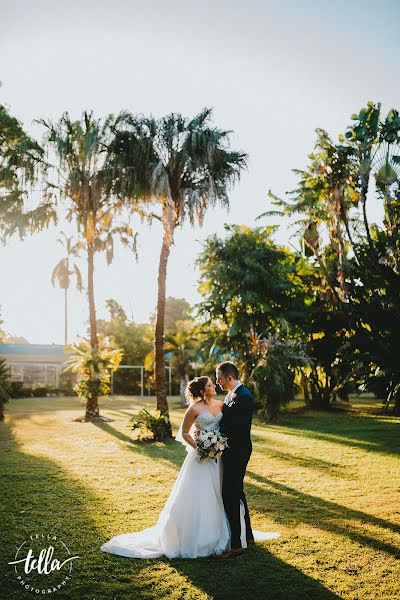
x,y
275,370
93,367
156,424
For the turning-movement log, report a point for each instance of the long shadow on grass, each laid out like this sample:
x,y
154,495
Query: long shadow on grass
x,y
302,461
39,497
258,575
170,451
289,506
371,434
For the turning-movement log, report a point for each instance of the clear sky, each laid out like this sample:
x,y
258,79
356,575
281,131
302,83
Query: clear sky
x,y
273,70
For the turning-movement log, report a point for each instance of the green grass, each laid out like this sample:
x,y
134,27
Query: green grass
x,y
329,483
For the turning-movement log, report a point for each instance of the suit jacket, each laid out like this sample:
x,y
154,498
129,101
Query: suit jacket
x,y
236,424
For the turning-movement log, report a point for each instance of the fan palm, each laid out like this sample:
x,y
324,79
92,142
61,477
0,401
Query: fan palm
x,y
84,178
186,166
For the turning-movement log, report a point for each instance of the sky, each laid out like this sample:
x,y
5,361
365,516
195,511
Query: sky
x,y
273,71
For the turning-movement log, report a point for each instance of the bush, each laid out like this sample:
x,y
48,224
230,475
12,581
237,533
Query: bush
x,y
17,390
93,367
156,424
274,373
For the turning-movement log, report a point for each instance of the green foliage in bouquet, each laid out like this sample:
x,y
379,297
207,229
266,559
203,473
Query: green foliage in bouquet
x,y
157,424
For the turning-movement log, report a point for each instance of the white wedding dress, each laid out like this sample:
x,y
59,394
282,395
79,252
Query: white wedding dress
x,y
193,521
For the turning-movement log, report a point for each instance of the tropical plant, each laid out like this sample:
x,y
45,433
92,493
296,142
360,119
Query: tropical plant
x,y
274,373
187,167
63,271
352,333
21,161
85,178
247,281
155,423
93,367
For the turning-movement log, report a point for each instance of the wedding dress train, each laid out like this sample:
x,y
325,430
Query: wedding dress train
x,y
193,522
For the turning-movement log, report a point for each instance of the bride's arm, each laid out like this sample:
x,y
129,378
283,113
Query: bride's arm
x,y
188,421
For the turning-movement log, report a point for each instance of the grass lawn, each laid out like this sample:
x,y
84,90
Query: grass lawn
x,y
329,483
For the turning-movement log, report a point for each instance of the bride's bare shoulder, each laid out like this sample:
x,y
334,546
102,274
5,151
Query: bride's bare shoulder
x,y
193,409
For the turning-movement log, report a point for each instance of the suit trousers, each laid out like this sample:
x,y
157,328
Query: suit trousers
x,y
233,493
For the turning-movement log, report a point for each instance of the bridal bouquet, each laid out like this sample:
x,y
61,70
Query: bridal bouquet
x,y
210,444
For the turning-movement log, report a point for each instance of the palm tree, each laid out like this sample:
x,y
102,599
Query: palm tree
x,y
186,166
21,159
62,274
181,345
84,178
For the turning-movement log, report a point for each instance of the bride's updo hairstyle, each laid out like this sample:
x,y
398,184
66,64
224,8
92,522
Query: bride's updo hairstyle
x,y
195,389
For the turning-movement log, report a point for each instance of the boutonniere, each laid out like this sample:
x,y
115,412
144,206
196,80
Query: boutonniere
x,y
232,400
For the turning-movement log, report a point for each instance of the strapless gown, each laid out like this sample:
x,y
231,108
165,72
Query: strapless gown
x,y
192,523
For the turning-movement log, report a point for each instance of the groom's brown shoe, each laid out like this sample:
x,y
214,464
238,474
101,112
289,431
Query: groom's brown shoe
x,y
250,542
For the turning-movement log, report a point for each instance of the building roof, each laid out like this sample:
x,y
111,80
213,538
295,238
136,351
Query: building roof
x,y
31,349
33,353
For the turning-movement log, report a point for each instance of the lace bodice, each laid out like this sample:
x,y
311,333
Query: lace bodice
x,y
205,420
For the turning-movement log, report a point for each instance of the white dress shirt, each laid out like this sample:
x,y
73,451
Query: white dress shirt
x,y
229,395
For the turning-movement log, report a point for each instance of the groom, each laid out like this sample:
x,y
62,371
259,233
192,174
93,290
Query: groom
x,y
235,424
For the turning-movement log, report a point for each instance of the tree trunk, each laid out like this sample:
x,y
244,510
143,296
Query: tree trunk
x,y
363,195
92,409
159,365
320,397
306,391
92,308
92,404
182,389
270,412
1,411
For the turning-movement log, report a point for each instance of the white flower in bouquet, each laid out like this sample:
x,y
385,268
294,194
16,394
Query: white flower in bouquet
x,y
210,444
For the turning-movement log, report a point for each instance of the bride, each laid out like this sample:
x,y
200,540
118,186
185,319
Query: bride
x,y
193,522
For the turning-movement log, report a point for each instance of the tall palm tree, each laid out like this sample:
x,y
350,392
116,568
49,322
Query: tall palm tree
x,y
182,345
186,166
84,178
63,271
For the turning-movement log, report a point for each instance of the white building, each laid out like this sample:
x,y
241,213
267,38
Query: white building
x,y
39,364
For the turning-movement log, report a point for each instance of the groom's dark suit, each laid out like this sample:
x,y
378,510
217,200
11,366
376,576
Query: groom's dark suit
x,y
236,425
